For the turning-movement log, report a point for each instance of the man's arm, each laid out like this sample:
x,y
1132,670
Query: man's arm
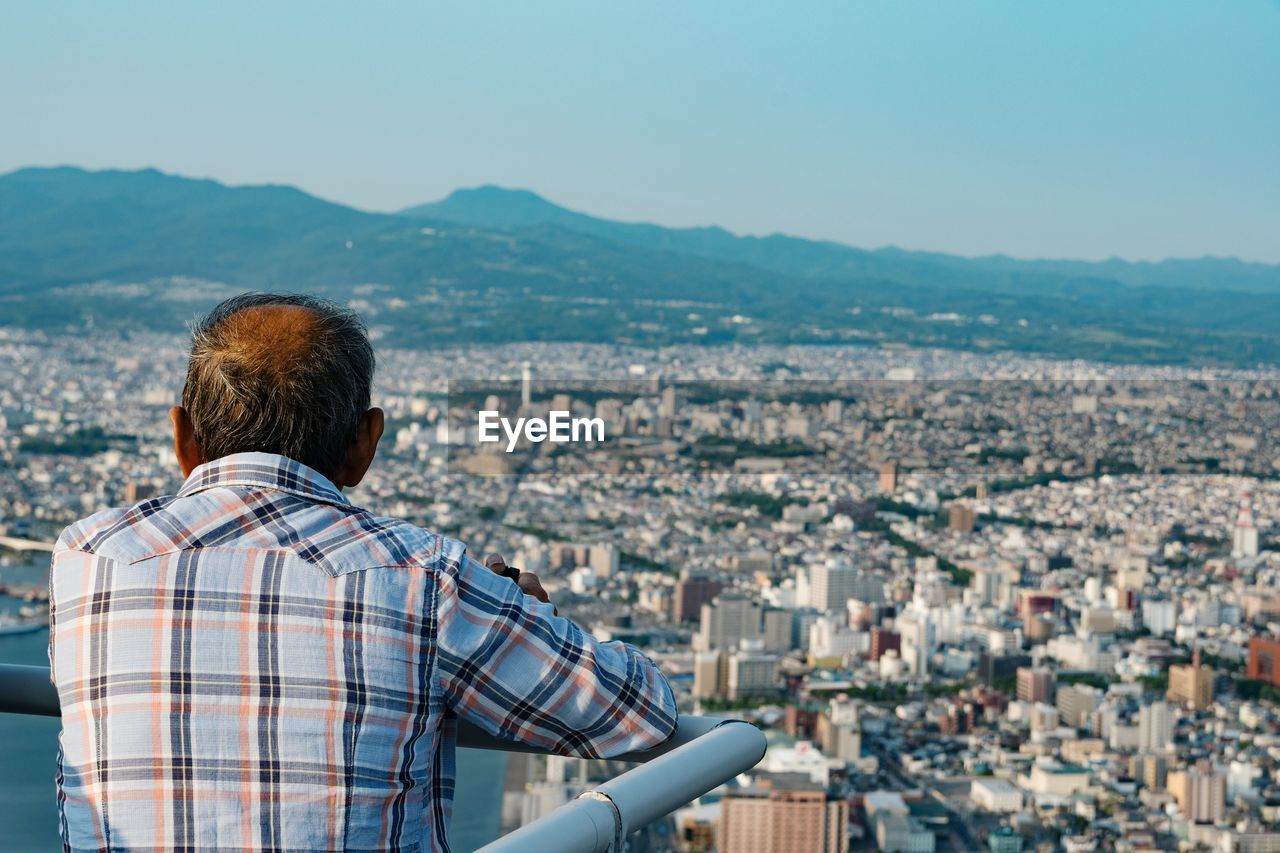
x,y
510,666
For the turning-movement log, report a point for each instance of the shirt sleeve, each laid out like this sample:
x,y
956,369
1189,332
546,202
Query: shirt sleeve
x,y
511,667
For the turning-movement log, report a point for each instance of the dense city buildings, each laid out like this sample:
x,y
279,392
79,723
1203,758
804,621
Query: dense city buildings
x,y
1036,612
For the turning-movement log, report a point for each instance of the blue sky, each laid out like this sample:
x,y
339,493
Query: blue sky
x,y
1142,128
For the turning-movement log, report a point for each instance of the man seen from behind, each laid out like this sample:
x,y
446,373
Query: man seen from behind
x,y
255,663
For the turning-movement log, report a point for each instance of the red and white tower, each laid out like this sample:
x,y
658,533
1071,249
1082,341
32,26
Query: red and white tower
x,y
1244,539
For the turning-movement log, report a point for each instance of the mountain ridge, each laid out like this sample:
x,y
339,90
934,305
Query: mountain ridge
x,y
493,206
148,249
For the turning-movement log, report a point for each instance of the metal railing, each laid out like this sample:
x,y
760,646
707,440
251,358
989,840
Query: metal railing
x,y
704,753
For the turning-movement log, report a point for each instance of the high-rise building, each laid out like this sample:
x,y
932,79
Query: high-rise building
x,y
1191,684
1244,537
751,672
1151,770
1159,616
604,559
889,477
1035,684
1042,717
1264,660
961,517
1200,792
1032,602
777,629
831,641
996,639
840,730
883,640
1155,727
829,586
710,675
802,620
742,674
690,594
783,813
526,384
568,555
832,584
1039,629
726,621
958,718
989,585
667,407
993,667
1076,703
919,639
867,588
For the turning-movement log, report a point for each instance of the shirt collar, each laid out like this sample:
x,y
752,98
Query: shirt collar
x,y
264,471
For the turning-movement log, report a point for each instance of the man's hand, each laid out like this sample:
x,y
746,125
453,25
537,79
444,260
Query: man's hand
x,y
527,581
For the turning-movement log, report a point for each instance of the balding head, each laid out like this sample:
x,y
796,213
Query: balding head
x,y
279,374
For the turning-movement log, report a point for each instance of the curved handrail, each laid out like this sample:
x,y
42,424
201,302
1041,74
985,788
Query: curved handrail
x,y
600,818
703,753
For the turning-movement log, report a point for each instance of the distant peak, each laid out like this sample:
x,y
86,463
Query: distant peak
x,y
491,205
495,191
491,194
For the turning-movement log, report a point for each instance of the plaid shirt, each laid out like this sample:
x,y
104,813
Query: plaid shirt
x,y
256,664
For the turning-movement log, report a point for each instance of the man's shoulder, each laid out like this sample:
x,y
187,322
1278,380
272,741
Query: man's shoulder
x,y
337,541
94,535
365,540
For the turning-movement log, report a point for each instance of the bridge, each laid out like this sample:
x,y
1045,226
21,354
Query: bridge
x,y
16,544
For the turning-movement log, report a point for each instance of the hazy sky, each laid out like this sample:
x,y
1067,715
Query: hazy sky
x,y
1142,128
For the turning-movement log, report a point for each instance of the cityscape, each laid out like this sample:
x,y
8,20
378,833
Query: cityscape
x,y
975,601
859,418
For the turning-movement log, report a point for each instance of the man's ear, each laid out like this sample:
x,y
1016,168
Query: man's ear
x,y
363,449
189,454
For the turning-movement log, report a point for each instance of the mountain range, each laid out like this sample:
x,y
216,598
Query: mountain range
x,y
123,248
496,207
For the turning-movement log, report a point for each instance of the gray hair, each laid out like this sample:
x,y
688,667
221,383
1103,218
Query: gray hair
x,y
279,373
